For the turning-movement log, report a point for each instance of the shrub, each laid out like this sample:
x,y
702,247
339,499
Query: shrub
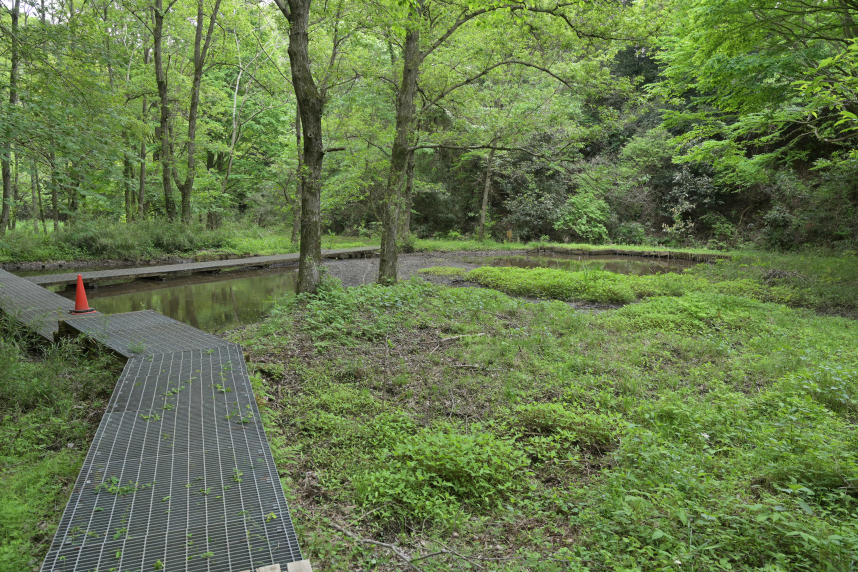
x,y
694,312
630,233
585,216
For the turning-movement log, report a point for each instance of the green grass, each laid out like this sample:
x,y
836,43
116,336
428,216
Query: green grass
x,y
826,284
47,403
445,245
704,427
829,279
593,285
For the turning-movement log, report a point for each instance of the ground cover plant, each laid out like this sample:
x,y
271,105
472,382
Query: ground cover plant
x,y
51,401
443,271
701,428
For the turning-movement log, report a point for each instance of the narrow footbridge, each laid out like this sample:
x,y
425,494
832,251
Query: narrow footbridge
x,y
163,271
180,476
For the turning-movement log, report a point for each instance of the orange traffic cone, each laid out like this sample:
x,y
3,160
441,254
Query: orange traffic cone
x,y
81,306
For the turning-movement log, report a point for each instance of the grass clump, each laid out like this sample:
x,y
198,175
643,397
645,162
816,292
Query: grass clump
x,y
568,425
588,285
593,285
443,271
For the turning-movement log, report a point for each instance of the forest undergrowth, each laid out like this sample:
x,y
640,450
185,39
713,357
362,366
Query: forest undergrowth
x,y
153,240
704,427
700,428
158,239
51,402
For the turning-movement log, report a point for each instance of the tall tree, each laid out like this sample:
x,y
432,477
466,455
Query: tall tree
x,y
6,160
442,23
392,204
310,105
310,98
163,132
201,49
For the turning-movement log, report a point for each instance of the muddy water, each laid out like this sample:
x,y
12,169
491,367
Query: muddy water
x,y
213,303
612,263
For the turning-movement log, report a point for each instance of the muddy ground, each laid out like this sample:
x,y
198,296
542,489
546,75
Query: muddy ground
x,y
355,272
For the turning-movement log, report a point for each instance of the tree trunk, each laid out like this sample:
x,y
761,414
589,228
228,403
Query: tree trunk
x,y
392,199
128,179
5,162
850,30
39,195
55,199
201,49
141,191
34,208
164,126
16,196
73,187
212,220
407,200
486,188
296,205
310,106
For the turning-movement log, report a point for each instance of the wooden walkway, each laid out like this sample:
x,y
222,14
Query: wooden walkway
x,y
96,276
180,474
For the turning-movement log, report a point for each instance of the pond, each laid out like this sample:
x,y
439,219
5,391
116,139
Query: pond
x,y
213,303
220,302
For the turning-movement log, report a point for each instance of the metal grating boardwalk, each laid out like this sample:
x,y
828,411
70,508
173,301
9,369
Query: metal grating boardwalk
x,y
180,475
38,308
189,267
140,333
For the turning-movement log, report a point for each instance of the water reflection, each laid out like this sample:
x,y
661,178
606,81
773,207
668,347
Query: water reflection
x,y
211,303
612,263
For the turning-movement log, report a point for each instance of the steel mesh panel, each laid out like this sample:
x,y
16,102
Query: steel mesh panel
x,y
142,333
166,269
192,488
34,307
